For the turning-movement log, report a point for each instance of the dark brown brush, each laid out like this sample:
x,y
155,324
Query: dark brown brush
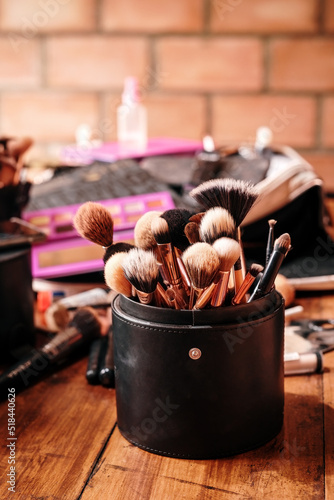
x,y
191,231
94,222
177,218
86,321
236,196
255,269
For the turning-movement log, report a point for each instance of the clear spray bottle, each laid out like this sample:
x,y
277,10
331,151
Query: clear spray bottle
x,y
131,120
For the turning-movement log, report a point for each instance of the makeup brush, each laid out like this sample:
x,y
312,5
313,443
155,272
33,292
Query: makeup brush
x,y
191,230
94,222
119,247
142,271
167,257
82,329
266,283
216,223
143,236
177,218
114,274
237,197
254,271
202,263
228,251
271,239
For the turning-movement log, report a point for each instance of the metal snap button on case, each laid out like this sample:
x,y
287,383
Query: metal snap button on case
x,y
195,353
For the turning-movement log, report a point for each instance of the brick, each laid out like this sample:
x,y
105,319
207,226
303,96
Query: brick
x,y
152,16
302,64
292,119
329,16
323,164
168,115
210,64
261,16
95,62
327,122
30,17
20,62
47,115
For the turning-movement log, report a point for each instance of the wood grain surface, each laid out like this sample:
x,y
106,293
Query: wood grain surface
x,y
68,445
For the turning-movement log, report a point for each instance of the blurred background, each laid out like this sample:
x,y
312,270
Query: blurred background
x,y
222,67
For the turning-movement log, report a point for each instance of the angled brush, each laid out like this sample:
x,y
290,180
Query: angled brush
x,y
254,271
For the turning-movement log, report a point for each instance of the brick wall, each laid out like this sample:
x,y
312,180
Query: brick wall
x,y
223,67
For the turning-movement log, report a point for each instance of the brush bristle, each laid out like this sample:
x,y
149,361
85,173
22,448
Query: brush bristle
x,y
141,270
228,251
283,243
191,231
255,270
114,275
202,263
121,246
86,321
272,223
160,231
236,196
176,219
143,236
197,217
216,223
94,222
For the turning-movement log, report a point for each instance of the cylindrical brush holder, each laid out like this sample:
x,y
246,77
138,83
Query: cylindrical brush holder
x,y
199,384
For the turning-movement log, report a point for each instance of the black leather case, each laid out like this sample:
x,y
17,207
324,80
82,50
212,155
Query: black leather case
x,y
199,384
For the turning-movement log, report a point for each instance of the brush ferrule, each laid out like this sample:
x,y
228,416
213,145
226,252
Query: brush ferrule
x,y
245,286
144,297
220,291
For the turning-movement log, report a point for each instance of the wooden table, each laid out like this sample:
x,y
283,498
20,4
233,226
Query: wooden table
x,y
68,445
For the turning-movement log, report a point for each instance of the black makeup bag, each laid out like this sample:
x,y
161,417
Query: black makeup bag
x,y
199,384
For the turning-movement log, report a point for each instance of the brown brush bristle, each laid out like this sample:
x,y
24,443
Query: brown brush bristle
x,y
228,251
121,246
160,231
197,217
141,270
283,243
114,275
202,263
86,321
236,196
255,269
191,231
93,222
216,223
143,236
272,223
177,218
